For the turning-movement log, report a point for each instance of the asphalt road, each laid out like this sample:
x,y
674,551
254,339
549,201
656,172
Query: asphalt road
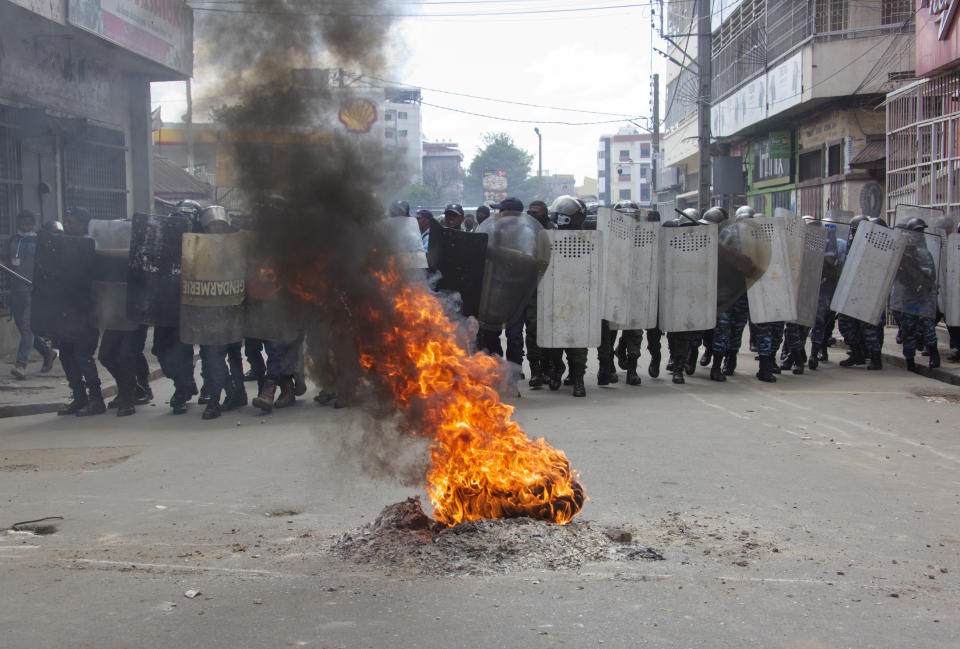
x,y
821,511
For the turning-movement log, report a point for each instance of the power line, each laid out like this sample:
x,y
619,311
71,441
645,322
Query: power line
x,y
347,14
527,121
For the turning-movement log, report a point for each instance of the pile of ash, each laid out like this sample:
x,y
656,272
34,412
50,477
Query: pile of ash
x,y
405,538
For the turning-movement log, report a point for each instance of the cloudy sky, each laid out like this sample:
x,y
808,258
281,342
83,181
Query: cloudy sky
x,y
567,53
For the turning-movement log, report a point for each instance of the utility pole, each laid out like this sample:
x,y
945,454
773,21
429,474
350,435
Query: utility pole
x,y
190,165
655,82
539,163
704,47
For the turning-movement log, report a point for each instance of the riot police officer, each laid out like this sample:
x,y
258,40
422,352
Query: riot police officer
x,y
568,213
864,339
916,289
679,343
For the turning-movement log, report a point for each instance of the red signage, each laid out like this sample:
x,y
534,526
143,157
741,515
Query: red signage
x,y
938,43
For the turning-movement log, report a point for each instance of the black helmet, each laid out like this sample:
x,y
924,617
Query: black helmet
x,y
878,221
653,216
744,212
190,208
714,215
455,208
672,223
400,208
915,224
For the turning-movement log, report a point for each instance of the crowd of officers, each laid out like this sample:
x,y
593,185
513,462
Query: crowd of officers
x,y
720,345
122,352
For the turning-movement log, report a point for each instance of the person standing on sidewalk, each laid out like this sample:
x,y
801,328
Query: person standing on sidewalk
x,y
21,251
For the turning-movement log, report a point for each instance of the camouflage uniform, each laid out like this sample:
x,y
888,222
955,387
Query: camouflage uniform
x,y
914,328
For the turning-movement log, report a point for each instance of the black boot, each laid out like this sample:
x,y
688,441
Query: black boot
x,y
95,404
799,361
934,357
670,364
765,373
578,388
706,358
876,362
653,369
823,355
607,374
954,357
179,402
212,411
537,377
786,362
632,377
236,398
126,395
716,371
621,353
855,357
78,401
814,362
677,370
729,363
911,365
556,375
204,397
691,365
143,394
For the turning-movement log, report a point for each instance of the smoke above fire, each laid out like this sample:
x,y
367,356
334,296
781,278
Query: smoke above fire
x,y
376,335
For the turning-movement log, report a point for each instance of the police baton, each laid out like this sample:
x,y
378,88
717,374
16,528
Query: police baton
x,y
692,220
15,274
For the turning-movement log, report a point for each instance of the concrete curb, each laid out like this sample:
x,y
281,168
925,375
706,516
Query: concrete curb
x,y
41,408
939,373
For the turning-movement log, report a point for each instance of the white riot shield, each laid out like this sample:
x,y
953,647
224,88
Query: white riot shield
x,y
617,272
951,292
645,277
773,297
405,232
937,224
811,270
794,227
868,272
943,226
915,284
569,296
213,282
688,278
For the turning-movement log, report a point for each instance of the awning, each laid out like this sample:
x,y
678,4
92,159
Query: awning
x,y
871,156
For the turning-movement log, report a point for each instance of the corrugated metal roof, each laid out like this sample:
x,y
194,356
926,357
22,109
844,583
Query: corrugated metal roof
x,y
872,153
170,181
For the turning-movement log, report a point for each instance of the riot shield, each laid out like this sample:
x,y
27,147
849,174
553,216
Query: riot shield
x,y
915,283
902,213
951,292
868,272
810,273
515,258
688,272
617,259
645,277
569,297
213,285
460,260
408,243
743,258
942,226
62,285
270,311
793,226
111,260
773,297
153,272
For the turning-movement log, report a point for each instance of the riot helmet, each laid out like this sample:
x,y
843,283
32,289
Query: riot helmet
x,y
568,212
690,214
808,219
854,222
671,223
214,213
915,224
878,221
744,212
190,208
627,207
400,208
714,215
653,216
483,213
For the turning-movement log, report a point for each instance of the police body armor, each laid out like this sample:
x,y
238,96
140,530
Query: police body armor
x,y
516,256
60,307
111,261
153,269
213,287
460,258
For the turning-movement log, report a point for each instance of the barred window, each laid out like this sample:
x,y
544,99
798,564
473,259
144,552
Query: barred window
x,y
830,16
95,173
11,199
895,11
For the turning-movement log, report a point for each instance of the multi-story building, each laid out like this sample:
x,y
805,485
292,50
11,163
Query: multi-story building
x,y
75,106
402,128
794,91
922,139
556,185
624,167
443,170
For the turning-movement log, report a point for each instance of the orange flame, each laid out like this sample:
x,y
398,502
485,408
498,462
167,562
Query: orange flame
x,y
483,464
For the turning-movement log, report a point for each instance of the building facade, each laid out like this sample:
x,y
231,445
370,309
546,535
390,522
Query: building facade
x,y
75,104
794,92
624,164
443,170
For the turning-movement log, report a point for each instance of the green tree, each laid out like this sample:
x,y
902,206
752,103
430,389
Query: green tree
x,y
498,152
418,194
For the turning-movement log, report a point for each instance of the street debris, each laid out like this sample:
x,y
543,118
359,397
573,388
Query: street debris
x,y
405,538
36,526
190,594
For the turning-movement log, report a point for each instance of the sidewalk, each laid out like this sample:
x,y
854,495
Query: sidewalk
x,y
893,355
40,393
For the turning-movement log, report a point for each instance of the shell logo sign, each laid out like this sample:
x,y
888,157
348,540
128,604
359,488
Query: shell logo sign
x,y
358,115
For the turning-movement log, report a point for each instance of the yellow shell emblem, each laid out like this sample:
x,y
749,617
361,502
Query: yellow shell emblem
x,y
358,115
